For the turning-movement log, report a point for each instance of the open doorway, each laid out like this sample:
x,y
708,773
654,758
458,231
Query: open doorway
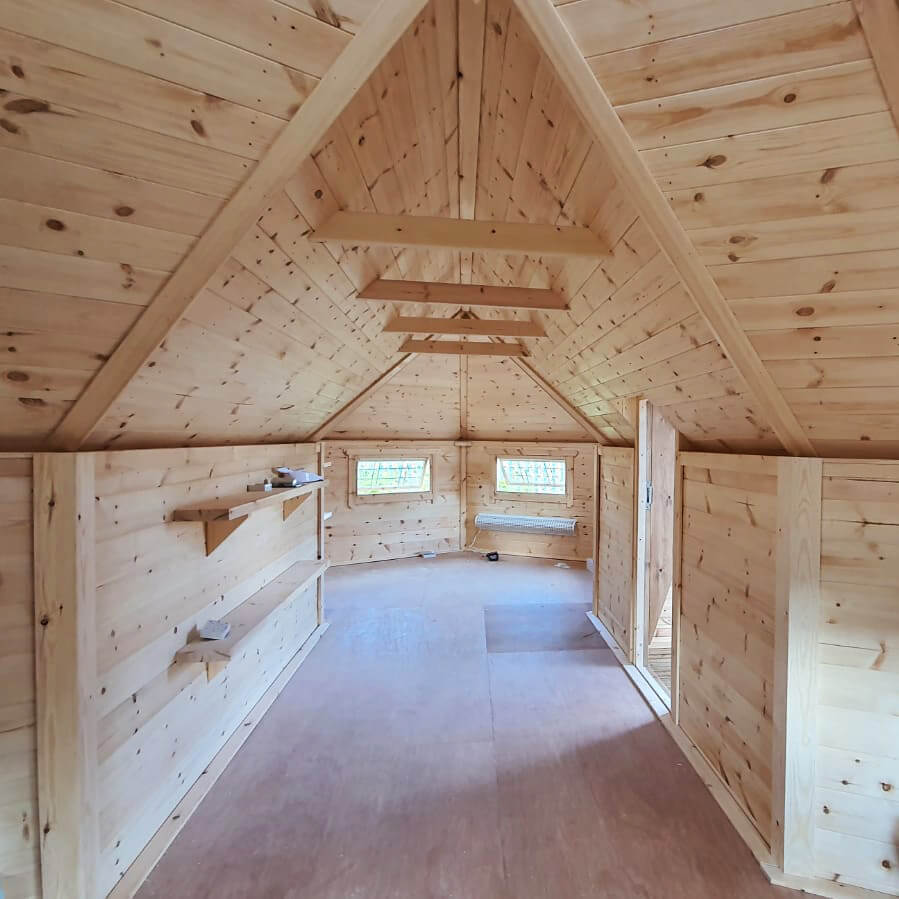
x,y
657,467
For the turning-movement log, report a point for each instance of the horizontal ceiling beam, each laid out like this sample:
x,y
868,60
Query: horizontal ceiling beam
x,y
372,229
642,190
461,348
385,291
409,324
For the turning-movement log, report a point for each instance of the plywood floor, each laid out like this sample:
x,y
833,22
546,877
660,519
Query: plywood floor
x,y
435,745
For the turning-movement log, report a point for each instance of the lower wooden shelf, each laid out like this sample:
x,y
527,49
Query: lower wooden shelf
x,y
250,615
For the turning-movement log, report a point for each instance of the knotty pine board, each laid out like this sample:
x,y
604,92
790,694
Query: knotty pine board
x,y
781,172
160,725
481,497
19,820
373,531
727,623
617,544
857,762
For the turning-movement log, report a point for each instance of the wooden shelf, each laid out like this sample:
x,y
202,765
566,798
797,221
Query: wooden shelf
x,y
250,615
221,517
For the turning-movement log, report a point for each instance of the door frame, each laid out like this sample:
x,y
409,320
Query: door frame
x,y
642,511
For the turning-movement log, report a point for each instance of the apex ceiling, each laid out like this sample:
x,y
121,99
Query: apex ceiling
x,y
125,126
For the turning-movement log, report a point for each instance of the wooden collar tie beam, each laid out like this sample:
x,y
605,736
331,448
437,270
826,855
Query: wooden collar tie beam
x,y
371,229
461,348
500,297
408,324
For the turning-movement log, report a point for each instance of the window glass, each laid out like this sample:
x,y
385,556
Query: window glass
x,y
378,476
546,476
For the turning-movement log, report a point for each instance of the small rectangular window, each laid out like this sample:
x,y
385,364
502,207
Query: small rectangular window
x,y
385,477
546,477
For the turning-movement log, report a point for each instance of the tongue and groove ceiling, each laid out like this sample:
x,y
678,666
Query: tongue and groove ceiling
x,y
125,126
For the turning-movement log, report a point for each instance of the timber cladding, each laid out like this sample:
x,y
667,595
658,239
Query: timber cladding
x,y
789,610
727,622
159,726
19,822
856,835
374,531
481,497
615,564
127,737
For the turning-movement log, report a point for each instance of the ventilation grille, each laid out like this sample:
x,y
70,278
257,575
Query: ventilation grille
x,y
525,524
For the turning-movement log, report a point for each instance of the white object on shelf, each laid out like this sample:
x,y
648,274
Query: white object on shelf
x,y
214,629
294,477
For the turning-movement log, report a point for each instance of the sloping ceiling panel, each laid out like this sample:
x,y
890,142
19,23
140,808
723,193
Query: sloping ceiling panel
x,y
421,402
632,328
277,342
123,128
505,403
764,124
768,129
452,397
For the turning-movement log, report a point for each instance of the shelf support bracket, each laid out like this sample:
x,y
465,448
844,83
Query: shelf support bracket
x,y
218,531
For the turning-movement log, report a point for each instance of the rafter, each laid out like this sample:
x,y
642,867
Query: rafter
x,y
295,142
408,324
461,348
384,291
373,229
636,179
880,22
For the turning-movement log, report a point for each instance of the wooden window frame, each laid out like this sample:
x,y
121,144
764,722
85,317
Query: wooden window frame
x,y
566,499
425,496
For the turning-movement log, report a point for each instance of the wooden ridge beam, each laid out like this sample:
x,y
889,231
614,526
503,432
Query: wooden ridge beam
x,y
409,324
472,24
472,20
461,348
296,141
880,22
373,229
386,291
638,182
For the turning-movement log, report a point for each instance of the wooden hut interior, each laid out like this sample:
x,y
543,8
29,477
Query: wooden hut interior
x,y
450,449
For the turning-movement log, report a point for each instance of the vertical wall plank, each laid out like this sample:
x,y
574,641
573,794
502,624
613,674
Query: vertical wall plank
x,y
676,584
644,477
597,507
320,532
463,497
66,673
798,586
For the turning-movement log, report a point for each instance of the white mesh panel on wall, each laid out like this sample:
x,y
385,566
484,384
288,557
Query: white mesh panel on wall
x,y
525,524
